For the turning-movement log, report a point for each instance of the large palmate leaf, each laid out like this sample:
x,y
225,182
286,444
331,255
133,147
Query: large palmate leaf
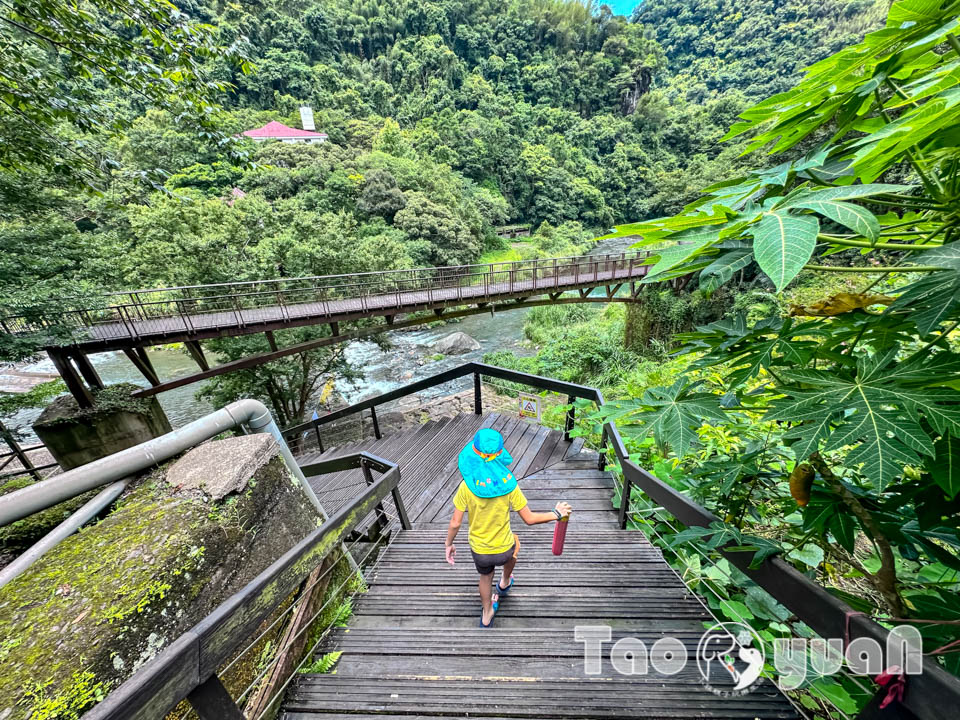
x,y
667,229
671,414
725,267
945,469
883,416
688,244
945,256
860,220
848,192
748,350
930,301
880,149
899,68
783,243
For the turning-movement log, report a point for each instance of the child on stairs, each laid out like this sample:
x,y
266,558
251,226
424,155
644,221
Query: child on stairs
x,y
488,493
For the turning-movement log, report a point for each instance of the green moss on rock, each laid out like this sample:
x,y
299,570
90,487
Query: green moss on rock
x,y
106,401
20,535
108,599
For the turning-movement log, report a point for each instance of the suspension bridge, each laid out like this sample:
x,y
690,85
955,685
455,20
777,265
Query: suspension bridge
x,y
131,321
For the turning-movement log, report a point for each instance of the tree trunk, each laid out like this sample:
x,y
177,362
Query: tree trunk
x,y
885,579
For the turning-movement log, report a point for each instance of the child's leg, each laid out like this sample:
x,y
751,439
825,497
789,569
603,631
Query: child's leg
x,y
485,585
507,572
510,564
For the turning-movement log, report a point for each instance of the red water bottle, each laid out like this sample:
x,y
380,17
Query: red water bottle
x,y
559,533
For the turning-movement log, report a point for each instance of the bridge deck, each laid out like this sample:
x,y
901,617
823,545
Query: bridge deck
x,y
413,648
151,323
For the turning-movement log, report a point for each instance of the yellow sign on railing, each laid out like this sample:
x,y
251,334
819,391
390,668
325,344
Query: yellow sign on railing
x,y
529,406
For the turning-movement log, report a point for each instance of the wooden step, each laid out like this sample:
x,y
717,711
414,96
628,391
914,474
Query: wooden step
x,y
525,697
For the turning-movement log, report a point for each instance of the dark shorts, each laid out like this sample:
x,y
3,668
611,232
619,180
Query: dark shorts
x,y
486,563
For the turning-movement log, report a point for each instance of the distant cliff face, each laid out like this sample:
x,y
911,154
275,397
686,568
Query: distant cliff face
x,y
757,46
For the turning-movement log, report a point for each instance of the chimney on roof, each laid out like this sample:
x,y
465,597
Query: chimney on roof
x,y
306,118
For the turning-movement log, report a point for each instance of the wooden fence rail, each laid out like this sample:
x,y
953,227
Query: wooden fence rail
x,y
187,668
933,695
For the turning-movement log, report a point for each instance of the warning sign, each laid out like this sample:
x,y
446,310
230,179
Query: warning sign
x,y
529,406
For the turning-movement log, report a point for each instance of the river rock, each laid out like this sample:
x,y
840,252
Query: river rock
x,y
180,541
456,344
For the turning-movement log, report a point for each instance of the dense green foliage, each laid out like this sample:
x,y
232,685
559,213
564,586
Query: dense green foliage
x,y
64,67
854,395
717,45
448,118
445,119
819,417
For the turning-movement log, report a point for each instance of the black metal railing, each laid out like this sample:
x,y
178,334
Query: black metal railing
x,y
131,315
20,456
312,429
933,695
188,667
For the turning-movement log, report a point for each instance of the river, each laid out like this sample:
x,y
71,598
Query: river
x,y
405,361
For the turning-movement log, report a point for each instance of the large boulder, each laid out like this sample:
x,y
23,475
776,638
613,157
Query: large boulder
x,y
456,344
181,540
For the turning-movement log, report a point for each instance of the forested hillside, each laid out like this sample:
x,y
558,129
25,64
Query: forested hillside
x,y
792,363
445,119
757,46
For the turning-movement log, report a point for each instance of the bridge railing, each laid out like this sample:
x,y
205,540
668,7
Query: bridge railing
x,y
309,436
198,307
192,666
933,695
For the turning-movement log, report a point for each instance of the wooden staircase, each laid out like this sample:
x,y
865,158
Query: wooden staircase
x,y
413,648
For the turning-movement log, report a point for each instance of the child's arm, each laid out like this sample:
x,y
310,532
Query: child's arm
x,y
452,531
535,518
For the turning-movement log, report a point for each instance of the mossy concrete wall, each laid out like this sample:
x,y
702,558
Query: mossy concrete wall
x,y
20,535
108,599
76,436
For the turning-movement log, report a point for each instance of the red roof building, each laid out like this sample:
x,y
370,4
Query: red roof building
x,y
278,131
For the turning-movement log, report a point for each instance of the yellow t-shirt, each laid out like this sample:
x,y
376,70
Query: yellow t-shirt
x,y
489,518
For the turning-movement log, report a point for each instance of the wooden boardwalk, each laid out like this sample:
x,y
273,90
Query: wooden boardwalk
x,y
413,648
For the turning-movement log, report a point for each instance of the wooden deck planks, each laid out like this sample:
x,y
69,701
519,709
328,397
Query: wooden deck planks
x,y
413,648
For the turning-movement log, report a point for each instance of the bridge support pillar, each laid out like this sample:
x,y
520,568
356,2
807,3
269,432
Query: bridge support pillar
x,y
80,392
196,352
86,369
140,360
76,435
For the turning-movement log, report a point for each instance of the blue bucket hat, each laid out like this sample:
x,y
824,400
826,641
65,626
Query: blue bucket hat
x,y
483,465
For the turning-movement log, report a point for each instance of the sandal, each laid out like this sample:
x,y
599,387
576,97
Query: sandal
x,y
501,593
491,617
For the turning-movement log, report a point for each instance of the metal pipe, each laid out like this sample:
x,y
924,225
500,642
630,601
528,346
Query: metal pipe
x,y
62,531
259,419
47,493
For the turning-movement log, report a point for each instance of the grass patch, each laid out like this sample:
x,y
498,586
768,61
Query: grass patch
x,y
505,255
